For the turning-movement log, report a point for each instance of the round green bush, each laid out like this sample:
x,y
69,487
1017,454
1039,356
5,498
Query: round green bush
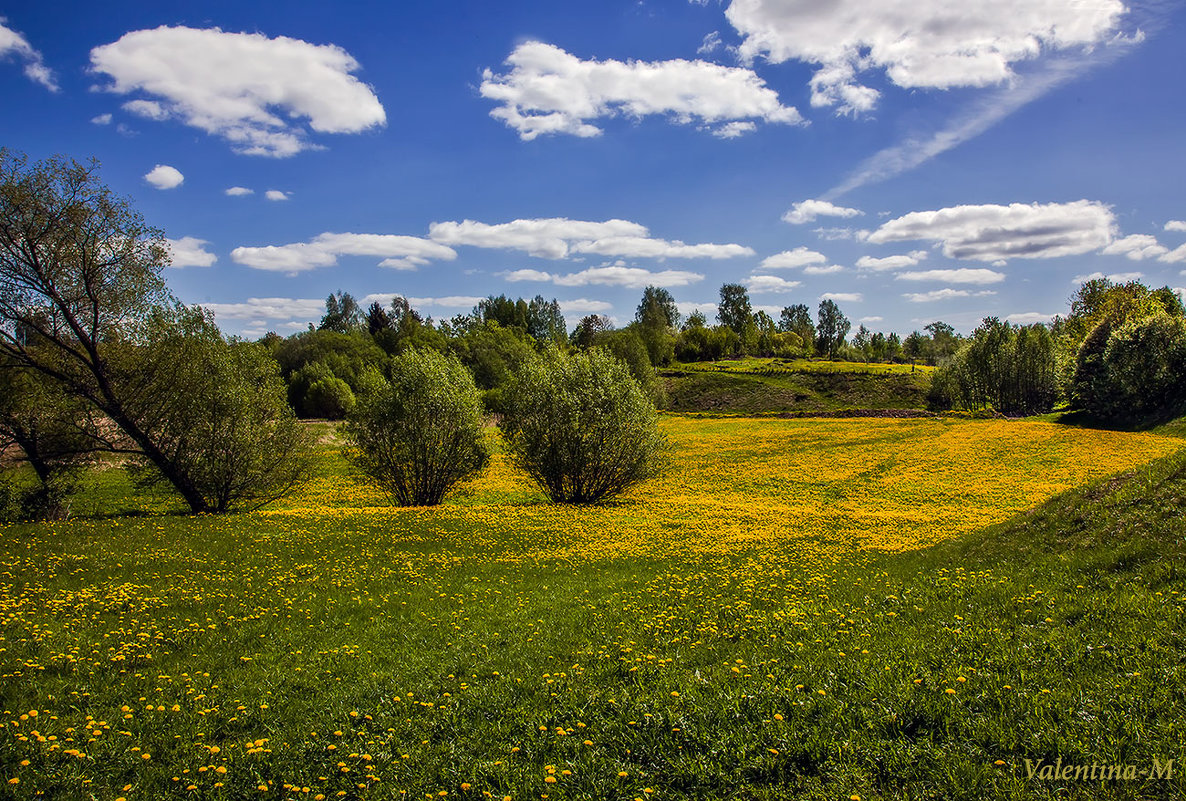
x,y
421,435
329,397
581,426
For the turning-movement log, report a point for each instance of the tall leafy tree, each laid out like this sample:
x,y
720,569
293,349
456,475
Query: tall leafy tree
x,y
831,329
342,314
734,310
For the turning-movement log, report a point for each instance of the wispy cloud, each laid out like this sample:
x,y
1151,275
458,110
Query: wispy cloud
x,y
986,112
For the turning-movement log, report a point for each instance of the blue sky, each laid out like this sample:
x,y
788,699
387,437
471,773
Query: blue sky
x,y
915,160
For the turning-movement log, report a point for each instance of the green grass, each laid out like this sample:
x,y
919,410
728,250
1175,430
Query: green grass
x,y
753,385
730,673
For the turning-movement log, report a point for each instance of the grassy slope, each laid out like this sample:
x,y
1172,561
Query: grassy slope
x,y
771,385
722,677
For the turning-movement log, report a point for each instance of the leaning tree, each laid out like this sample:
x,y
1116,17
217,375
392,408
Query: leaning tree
x,y
81,303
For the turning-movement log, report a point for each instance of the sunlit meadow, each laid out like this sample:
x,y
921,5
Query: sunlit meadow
x,y
751,625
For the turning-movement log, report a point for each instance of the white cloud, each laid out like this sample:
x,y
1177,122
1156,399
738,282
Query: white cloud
x,y
13,44
550,91
610,275
1175,256
189,251
253,91
1136,247
938,294
826,269
239,191
759,284
276,194
1176,225
559,237
833,234
1019,230
162,176
843,297
710,43
890,262
799,257
687,307
808,210
963,275
101,119
734,130
255,309
1029,318
447,302
922,44
585,306
398,252
149,109
1115,278
873,319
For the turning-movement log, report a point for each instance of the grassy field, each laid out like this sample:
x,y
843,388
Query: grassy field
x,y
801,608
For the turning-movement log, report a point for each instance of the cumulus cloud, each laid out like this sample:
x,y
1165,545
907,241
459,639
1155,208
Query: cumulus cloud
x,y
17,46
1175,256
1115,278
937,294
398,252
843,297
1029,318
996,233
264,96
687,307
276,194
1137,247
560,237
1176,225
823,269
585,306
873,319
101,119
162,176
189,251
808,210
551,91
931,44
963,275
884,263
789,259
295,309
239,191
610,275
759,284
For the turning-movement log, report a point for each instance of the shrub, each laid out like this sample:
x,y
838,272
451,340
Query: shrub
x,y
215,409
329,397
1145,367
420,435
582,427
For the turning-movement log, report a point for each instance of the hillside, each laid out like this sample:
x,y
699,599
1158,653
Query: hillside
x,y
752,386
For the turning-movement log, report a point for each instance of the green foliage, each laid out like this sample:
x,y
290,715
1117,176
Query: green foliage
x,y
421,435
831,329
216,410
342,314
1120,351
1007,368
734,310
540,319
329,397
492,353
582,427
48,426
628,345
698,343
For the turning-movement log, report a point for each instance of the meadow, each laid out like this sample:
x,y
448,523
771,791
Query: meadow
x,y
800,608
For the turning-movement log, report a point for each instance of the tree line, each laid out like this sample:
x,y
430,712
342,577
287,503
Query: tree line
x,y
97,357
